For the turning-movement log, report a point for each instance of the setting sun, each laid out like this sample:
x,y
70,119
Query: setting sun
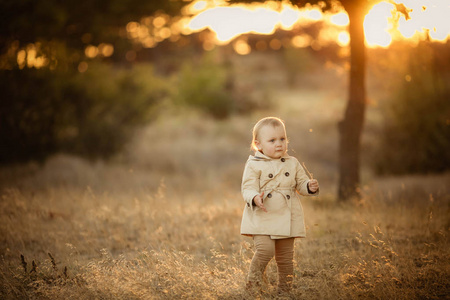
x,y
382,24
230,22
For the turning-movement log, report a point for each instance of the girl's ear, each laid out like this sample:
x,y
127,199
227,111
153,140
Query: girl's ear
x,y
258,144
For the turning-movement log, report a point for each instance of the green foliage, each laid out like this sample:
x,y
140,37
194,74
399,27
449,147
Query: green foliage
x,y
30,21
206,86
89,113
62,29
298,61
416,135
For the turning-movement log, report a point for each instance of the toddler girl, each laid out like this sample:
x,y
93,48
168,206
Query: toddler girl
x,y
273,214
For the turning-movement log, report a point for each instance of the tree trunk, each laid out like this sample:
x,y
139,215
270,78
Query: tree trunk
x,y
350,128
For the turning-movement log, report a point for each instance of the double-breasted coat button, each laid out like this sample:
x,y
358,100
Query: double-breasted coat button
x,y
287,174
288,197
283,160
270,175
248,204
269,195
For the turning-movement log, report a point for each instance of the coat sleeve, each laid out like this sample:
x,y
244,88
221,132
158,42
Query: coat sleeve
x,y
302,181
250,184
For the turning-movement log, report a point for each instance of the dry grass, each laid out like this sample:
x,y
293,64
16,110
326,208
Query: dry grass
x,y
124,240
162,221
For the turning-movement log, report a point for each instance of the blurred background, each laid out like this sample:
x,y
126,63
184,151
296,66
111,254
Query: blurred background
x,y
125,126
168,91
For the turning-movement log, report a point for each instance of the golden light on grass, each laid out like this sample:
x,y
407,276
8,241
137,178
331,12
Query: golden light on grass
x,y
120,232
121,223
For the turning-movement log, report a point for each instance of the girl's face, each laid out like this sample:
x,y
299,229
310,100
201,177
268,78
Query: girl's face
x,y
272,141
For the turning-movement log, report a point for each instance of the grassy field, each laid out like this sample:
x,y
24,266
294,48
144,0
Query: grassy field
x,y
68,242
161,221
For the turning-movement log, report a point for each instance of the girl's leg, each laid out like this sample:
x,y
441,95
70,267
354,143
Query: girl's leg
x,y
284,255
265,250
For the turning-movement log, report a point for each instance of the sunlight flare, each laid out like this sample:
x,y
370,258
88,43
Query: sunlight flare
x,y
382,24
340,19
230,22
377,25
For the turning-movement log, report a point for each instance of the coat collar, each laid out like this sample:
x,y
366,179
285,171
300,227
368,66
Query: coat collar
x,y
260,156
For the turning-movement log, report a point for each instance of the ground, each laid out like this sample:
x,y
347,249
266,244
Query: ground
x,y
161,220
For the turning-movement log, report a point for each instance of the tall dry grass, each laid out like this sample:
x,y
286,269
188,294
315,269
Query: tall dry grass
x,y
162,220
81,244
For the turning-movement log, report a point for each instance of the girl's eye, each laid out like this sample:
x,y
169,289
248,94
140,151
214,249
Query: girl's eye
x,y
283,139
272,140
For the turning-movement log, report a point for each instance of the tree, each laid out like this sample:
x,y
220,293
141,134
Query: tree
x,y
66,27
57,108
351,127
67,22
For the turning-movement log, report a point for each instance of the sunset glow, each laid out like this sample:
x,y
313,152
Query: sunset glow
x,y
229,22
382,25
221,24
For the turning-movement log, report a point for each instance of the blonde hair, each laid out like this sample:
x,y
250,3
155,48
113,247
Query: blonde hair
x,y
272,121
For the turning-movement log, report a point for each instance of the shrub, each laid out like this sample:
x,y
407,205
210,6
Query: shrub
x,y
89,113
416,134
207,87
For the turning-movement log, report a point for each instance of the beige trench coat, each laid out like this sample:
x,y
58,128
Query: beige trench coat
x,y
280,180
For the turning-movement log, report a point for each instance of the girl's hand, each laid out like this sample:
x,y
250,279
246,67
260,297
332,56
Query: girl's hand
x,y
313,185
258,199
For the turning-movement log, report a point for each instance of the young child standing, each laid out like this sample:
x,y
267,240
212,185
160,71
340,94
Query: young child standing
x,y
273,214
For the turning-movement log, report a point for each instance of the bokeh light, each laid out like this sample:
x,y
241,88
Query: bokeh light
x,y
241,47
382,24
426,19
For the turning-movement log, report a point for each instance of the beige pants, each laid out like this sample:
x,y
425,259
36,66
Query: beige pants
x,y
266,248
